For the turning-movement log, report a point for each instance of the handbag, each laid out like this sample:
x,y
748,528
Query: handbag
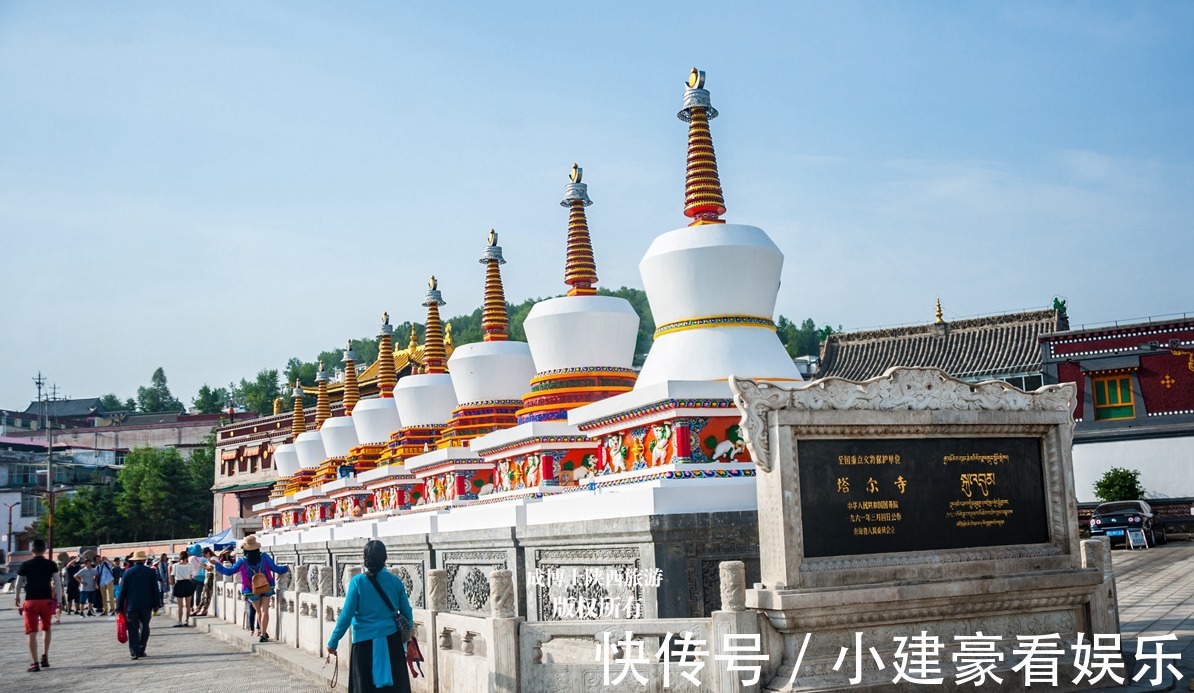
x,y
405,630
122,628
414,658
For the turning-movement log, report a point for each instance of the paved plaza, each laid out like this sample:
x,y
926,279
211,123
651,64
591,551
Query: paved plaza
x,y
1156,593
85,656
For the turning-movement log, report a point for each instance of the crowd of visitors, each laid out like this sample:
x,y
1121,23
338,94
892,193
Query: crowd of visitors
x,y
376,605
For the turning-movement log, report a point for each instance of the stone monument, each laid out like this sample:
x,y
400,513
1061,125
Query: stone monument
x,y
915,504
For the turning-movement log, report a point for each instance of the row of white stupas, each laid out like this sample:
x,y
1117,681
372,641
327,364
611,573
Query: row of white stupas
x,y
538,431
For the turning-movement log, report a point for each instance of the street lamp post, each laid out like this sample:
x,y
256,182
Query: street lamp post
x,y
8,544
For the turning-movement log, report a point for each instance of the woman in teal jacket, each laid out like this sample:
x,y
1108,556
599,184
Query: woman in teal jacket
x,y
378,660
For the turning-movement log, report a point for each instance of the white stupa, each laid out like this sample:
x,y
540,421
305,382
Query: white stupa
x,y
428,398
712,285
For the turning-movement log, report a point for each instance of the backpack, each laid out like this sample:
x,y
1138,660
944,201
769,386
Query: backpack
x,y
260,583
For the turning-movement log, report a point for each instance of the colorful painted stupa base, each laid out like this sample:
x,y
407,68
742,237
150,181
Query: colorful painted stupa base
x,y
365,456
450,476
408,442
392,488
555,392
478,418
675,430
329,471
350,499
299,481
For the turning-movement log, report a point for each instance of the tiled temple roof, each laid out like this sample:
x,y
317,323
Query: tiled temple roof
x,y
995,345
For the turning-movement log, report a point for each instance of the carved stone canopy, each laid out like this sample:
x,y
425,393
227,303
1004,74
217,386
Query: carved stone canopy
x,y
908,389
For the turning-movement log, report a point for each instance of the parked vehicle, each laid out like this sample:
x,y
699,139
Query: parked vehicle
x,y
1115,519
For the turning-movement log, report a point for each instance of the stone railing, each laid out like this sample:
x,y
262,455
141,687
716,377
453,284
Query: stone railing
x,y
501,652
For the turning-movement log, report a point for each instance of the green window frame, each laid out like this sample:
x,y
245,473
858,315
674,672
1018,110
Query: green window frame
x,y
1113,398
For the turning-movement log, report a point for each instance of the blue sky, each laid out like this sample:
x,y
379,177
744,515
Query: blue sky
x,y
215,187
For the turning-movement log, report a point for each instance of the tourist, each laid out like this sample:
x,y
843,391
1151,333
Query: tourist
x,y
184,589
256,590
107,586
72,585
139,597
207,584
39,578
86,577
378,658
163,571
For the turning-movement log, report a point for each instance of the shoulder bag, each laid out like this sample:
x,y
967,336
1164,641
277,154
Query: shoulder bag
x,y
405,630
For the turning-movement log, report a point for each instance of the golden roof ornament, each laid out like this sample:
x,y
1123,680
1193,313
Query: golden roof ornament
x,y
495,322
703,198
940,315
580,270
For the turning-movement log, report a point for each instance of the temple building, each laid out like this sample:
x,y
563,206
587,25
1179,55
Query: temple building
x,y
1135,406
998,347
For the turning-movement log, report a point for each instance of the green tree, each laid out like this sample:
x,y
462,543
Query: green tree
x,y
110,402
1119,484
154,492
157,398
201,476
258,395
211,400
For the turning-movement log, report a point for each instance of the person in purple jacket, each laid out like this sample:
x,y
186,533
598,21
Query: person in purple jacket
x,y
254,561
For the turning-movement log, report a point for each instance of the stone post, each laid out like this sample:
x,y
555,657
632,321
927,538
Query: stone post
x,y
733,585
327,581
1104,603
300,578
349,574
501,595
437,590
503,646
735,619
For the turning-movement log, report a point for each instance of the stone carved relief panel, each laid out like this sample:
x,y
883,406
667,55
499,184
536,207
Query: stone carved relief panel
x,y
468,579
587,584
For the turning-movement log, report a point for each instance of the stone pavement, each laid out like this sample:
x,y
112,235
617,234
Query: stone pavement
x,y
85,655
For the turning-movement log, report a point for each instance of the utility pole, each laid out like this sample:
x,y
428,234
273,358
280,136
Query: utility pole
x,y
8,544
50,477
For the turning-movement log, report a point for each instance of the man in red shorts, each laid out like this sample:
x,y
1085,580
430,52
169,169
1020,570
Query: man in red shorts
x,y
39,578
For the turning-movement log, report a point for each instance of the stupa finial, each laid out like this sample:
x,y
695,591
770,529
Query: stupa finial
x,y
495,323
580,271
352,391
386,378
323,410
435,355
279,405
940,315
298,424
703,199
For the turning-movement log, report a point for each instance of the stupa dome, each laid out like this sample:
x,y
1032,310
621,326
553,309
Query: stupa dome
x,y
309,445
581,332
339,435
375,419
286,460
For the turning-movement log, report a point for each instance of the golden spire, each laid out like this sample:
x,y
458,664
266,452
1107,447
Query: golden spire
x,y
323,411
413,343
299,422
703,199
352,393
435,355
580,271
385,357
279,405
447,335
494,321
940,315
